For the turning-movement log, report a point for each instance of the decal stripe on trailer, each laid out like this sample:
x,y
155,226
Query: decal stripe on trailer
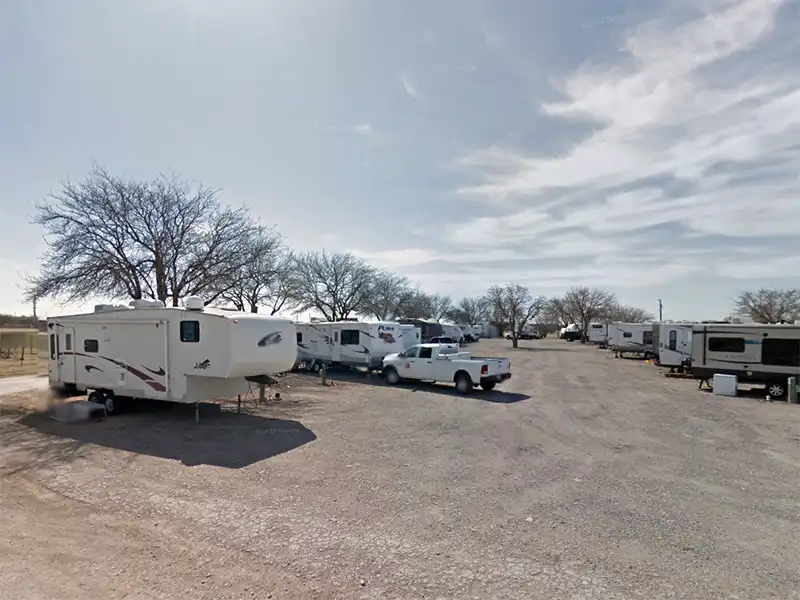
x,y
159,387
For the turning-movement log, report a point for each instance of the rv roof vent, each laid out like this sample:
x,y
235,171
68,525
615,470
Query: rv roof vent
x,y
139,303
156,303
194,303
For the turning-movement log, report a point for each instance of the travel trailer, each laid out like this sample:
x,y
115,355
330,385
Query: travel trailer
x,y
453,331
761,354
430,329
411,335
631,338
672,344
347,343
598,334
479,331
147,350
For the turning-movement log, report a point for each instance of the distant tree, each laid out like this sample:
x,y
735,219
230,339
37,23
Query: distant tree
x,y
585,305
627,314
513,305
266,280
472,310
441,305
416,304
769,306
387,293
556,311
116,238
335,284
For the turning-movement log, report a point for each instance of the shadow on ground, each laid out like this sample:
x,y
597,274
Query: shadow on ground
x,y
496,396
222,438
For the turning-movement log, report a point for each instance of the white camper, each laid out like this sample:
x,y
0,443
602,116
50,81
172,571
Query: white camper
x,y
673,345
479,331
762,354
186,355
411,335
469,336
631,338
598,334
453,331
347,343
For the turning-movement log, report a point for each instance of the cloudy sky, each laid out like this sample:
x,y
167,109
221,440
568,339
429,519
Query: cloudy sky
x,y
652,148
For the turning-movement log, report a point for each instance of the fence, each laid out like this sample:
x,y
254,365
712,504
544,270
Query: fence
x,y
12,342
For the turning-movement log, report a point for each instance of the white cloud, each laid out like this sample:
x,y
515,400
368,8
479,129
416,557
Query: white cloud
x,y
364,129
410,87
691,128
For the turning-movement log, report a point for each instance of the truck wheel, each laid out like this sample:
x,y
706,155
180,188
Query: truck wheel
x,y
488,385
392,377
463,383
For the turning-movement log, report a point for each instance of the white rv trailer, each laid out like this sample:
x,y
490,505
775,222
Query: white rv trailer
x,y
453,331
185,355
598,334
761,354
479,331
347,343
672,344
411,335
631,338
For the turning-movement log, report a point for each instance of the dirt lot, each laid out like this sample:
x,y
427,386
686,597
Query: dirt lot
x,y
585,477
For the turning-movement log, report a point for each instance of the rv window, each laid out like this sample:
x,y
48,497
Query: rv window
x,y
350,337
425,352
627,334
780,353
597,326
673,339
647,337
68,341
730,345
190,331
52,346
91,345
299,337
336,336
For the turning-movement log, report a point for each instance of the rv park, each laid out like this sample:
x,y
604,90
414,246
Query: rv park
x,y
270,430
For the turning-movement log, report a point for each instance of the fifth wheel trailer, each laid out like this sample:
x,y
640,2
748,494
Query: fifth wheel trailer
x,y
631,338
178,354
760,354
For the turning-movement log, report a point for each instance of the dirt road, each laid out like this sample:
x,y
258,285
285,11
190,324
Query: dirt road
x,y
15,385
585,477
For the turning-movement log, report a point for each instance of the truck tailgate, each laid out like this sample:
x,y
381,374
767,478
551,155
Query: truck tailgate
x,y
496,366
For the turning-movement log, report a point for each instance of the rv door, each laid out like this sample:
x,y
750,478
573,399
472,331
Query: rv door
x,y
336,347
65,341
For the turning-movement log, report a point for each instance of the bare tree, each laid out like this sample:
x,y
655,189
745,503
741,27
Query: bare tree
x,y
769,306
441,306
557,312
416,304
586,305
117,238
628,314
265,280
513,305
335,284
387,293
473,310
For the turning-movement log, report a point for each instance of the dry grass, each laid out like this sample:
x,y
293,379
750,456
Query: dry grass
x,y
34,364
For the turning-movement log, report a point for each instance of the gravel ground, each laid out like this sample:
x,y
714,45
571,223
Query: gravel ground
x,y
582,477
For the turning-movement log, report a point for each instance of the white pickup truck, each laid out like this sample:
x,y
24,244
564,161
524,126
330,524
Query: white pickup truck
x,y
445,362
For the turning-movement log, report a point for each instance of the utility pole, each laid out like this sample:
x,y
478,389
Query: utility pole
x,y
660,311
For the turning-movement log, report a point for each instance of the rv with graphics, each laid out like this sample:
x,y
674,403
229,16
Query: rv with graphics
x,y
411,335
761,354
631,338
347,343
147,350
672,343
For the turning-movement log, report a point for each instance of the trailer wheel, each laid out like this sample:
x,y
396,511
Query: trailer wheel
x,y
112,403
316,367
776,389
392,376
488,385
463,383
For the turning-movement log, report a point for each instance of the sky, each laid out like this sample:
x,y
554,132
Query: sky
x,y
651,148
